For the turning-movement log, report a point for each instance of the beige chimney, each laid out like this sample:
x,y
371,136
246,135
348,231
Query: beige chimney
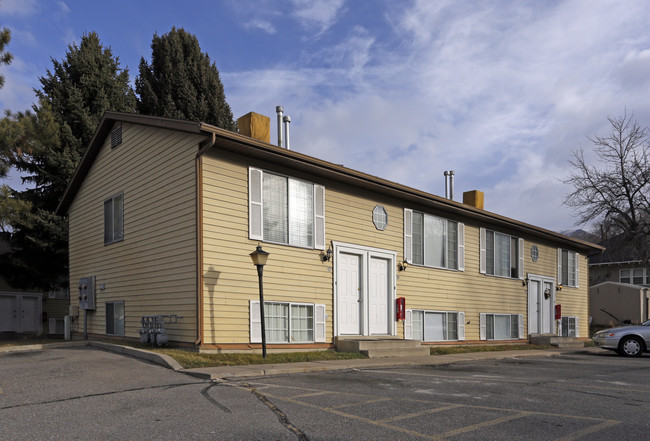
x,y
255,126
473,198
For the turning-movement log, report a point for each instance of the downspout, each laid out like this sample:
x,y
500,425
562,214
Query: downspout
x,y
204,146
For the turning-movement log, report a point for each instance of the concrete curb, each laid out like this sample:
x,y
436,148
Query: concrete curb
x,y
260,370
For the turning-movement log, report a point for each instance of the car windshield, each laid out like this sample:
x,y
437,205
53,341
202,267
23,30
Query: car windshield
x,y
646,323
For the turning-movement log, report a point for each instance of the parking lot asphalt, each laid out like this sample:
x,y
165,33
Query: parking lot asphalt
x,y
232,372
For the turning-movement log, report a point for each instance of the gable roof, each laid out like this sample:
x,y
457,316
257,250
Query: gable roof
x,y
234,142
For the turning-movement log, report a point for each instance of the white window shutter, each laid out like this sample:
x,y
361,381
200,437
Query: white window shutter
x,y
521,325
255,212
319,217
483,334
320,318
578,270
483,255
408,324
461,246
577,328
520,267
255,322
559,326
408,235
461,326
559,266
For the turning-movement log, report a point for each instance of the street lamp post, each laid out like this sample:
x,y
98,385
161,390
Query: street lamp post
x,y
259,257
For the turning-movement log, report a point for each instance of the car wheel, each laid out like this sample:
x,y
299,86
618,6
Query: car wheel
x,y
631,346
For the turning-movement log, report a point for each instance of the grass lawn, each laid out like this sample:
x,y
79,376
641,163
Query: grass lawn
x,y
483,348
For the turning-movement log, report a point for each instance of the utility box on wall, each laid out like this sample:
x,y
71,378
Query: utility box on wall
x,y
87,293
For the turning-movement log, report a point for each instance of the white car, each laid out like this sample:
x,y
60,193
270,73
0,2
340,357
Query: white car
x,y
630,341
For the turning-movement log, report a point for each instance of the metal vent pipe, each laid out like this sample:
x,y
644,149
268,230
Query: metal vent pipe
x,y
446,184
279,110
451,185
287,121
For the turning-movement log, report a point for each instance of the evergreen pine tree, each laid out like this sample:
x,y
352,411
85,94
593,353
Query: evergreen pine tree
x,y
181,82
47,144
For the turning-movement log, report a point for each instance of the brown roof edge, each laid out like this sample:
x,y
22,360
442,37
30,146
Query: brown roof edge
x,y
102,131
239,143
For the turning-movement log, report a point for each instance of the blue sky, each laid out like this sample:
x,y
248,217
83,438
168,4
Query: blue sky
x,y
500,92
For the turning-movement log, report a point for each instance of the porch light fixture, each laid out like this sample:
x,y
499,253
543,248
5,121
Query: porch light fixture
x,y
559,287
402,266
326,256
524,282
259,257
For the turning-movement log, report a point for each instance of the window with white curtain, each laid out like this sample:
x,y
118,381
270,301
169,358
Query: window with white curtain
x,y
289,322
435,241
434,325
501,254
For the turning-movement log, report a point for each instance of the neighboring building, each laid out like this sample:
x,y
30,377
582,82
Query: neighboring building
x,y
164,213
619,282
30,312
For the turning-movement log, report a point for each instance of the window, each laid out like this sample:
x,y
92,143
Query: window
x,y
569,327
433,241
288,322
501,254
567,267
63,293
636,276
286,210
114,219
434,325
380,217
501,326
115,318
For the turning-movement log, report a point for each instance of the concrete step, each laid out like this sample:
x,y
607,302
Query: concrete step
x,y
554,340
402,352
360,345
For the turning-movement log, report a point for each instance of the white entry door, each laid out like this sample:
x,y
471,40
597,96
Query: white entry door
x,y
378,295
364,291
349,293
541,305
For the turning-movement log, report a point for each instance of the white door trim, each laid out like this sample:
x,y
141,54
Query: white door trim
x,y
366,253
542,280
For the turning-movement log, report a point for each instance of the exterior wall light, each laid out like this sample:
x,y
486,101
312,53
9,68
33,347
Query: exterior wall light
x,y
326,256
559,287
402,266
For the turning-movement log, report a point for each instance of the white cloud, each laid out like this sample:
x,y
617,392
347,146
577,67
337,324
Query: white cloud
x,y
262,25
320,13
501,93
20,8
63,7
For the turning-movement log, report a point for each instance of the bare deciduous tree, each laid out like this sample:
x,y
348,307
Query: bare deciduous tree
x,y
614,194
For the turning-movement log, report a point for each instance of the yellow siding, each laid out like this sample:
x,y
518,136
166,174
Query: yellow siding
x,y
298,275
153,270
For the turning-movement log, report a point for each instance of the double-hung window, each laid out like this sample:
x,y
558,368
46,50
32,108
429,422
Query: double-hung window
x,y
434,325
114,219
501,254
433,241
286,210
501,326
636,276
287,322
568,263
569,327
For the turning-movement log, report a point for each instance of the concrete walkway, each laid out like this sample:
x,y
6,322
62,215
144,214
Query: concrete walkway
x,y
258,370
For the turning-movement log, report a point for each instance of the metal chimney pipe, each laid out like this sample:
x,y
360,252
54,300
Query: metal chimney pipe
x,y
279,110
446,184
451,185
287,121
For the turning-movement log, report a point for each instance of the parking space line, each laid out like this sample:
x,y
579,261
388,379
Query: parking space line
x,y
589,430
417,414
359,418
489,423
376,400
314,394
